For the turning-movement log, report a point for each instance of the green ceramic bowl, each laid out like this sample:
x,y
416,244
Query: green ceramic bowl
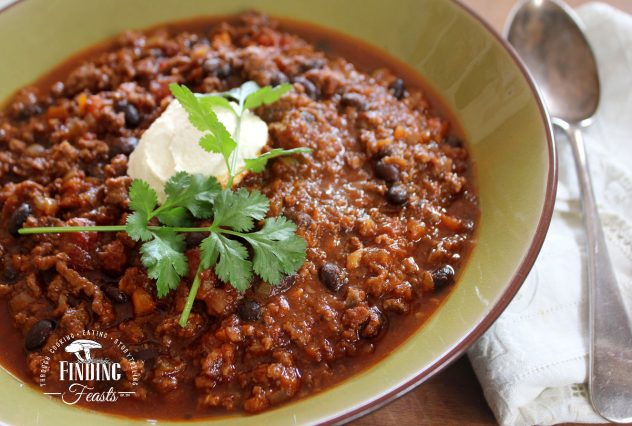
x,y
479,79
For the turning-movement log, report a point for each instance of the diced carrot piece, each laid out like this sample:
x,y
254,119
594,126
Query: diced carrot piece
x,y
142,302
82,101
57,112
353,259
399,133
452,223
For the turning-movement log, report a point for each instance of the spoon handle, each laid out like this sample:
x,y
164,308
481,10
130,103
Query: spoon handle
x,y
610,368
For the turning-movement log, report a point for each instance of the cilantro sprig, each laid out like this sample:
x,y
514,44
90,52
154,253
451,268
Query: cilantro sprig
x,y
217,138
277,250
238,217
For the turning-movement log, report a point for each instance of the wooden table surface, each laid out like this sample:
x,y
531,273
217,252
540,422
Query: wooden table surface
x,y
454,397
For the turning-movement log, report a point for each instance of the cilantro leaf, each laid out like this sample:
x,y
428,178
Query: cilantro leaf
x,y
209,251
278,251
164,259
218,140
231,256
217,145
198,115
204,119
238,209
241,93
192,192
178,216
136,226
142,198
266,95
216,101
257,165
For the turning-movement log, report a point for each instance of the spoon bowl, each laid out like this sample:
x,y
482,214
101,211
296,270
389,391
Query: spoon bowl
x,y
553,46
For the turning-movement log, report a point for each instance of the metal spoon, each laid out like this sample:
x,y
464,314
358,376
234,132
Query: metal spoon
x,y
549,39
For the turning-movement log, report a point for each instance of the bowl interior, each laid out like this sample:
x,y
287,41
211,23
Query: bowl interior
x,y
467,66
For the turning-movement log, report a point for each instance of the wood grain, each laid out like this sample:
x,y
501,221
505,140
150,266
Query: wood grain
x,y
454,397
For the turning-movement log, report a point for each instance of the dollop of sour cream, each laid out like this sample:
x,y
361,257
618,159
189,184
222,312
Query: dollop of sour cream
x,y
171,145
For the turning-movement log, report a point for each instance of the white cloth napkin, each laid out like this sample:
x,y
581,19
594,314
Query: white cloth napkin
x,y
533,363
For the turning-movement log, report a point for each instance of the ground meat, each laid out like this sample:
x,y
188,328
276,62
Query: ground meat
x,y
385,203
113,257
274,383
217,366
116,191
167,373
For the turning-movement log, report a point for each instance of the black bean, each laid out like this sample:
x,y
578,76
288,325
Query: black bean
x,y
114,294
453,141
249,310
132,116
354,100
123,145
18,217
29,110
310,64
123,312
278,78
397,195
443,276
331,276
375,326
38,334
311,90
217,67
398,88
148,354
9,274
287,282
73,300
386,171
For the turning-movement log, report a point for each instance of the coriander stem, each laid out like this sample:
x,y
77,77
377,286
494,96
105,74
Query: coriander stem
x,y
113,228
64,229
178,229
231,169
184,316
157,211
229,232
